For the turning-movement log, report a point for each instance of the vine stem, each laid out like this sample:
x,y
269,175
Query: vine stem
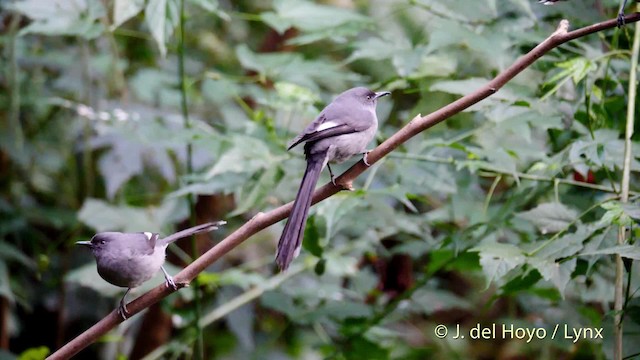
x,y
618,302
199,346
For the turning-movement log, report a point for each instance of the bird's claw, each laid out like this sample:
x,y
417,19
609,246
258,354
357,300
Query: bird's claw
x,y
170,283
364,159
122,310
621,20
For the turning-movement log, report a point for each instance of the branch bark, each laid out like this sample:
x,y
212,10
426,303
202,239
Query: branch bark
x,y
263,220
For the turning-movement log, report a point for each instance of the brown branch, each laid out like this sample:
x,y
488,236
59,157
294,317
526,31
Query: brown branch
x,y
264,220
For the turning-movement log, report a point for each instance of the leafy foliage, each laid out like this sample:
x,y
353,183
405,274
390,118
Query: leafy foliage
x,y
506,214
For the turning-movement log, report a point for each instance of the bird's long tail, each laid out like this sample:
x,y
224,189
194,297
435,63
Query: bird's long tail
x,y
192,230
291,238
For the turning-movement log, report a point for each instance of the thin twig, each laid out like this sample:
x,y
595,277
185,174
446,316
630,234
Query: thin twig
x,y
264,220
618,300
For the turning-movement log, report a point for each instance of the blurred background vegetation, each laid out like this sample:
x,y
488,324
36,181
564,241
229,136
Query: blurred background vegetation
x,y
505,214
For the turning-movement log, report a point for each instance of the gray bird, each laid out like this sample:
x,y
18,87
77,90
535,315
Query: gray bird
x,y
130,259
343,129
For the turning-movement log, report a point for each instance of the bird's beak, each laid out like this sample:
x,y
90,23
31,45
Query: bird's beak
x,y
85,243
382,93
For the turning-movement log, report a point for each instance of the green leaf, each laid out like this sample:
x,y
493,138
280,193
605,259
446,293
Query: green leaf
x,y
311,238
61,17
212,6
550,217
361,348
498,259
619,213
260,190
430,301
334,209
124,10
295,69
105,217
162,18
626,251
35,353
246,155
10,253
5,281
558,273
240,278
331,22
281,303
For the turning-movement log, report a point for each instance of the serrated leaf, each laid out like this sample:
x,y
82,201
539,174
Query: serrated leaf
x,y
559,274
550,217
498,259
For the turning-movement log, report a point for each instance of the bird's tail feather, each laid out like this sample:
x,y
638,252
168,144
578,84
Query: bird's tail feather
x,y
192,230
291,238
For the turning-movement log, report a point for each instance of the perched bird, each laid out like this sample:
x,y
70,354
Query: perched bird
x,y
343,129
130,259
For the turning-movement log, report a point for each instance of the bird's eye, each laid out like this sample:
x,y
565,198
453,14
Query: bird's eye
x,y
368,97
102,242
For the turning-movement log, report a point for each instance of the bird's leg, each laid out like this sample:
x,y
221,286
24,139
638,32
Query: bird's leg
x,y
168,279
364,157
333,178
122,309
621,20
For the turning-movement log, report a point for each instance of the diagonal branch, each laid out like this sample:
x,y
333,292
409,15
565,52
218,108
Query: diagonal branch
x,y
264,220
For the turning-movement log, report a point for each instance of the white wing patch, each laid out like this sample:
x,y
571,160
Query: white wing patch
x,y
327,125
148,235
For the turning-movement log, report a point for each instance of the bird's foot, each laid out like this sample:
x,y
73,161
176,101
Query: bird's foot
x,y
122,310
621,20
364,158
170,283
169,280
333,177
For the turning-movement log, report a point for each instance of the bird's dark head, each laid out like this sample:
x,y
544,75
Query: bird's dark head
x,y
99,242
364,95
116,241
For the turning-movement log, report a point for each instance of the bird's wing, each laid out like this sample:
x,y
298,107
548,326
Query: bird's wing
x,y
323,134
333,121
142,243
